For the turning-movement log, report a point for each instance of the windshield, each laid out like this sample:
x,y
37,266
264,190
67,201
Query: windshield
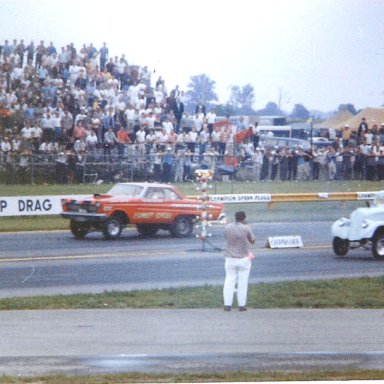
x,y
379,198
126,190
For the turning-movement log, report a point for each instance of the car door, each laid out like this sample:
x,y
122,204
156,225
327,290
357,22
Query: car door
x,y
155,208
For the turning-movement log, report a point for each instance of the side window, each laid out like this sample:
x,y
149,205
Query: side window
x,y
171,195
155,193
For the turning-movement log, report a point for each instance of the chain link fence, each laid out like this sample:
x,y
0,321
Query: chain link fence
x,y
170,167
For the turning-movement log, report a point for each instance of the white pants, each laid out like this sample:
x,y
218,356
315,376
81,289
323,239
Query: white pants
x,y
236,270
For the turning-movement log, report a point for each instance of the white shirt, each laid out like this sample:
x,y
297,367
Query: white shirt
x,y
192,137
26,132
130,113
198,122
159,96
5,146
91,140
204,137
211,117
215,136
140,136
36,132
150,138
56,121
168,126
47,123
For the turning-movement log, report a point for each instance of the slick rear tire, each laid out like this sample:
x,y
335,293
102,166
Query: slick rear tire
x,y
79,230
182,227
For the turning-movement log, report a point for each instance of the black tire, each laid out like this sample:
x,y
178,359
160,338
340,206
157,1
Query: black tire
x,y
340,246
78,229
182,227
112,228
147,230
378,245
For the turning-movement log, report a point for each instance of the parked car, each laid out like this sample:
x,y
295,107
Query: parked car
x,y
364,228
284,142
320,142
150,206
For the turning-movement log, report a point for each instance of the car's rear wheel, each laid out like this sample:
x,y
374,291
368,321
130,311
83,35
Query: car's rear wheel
x,y
112,228
182,227
378,245
147,230
78,229
340,246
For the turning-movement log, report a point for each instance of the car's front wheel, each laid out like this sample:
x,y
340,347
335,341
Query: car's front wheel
x,y
78,229
182,227
340,246
112,228
378,245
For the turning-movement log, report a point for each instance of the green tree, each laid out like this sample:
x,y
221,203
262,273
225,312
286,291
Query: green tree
x,y
242,99
201,89
270,109
349,107
300,112
224,110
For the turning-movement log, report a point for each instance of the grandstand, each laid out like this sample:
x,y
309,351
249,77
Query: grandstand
x,y
85,115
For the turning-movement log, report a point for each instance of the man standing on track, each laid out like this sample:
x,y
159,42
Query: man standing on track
x,y
237,261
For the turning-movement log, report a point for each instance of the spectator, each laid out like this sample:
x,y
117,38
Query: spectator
x,y
200,108
110,141
122,141
26,131
40,51
346,134
79,132
47,125
167,165
30,49
103,55
362,129
58,129
91,142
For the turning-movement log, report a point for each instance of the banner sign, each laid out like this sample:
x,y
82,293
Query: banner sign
x,y
242,198
33,205
369,195
285,242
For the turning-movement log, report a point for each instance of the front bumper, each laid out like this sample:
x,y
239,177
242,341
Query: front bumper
x,y
84,217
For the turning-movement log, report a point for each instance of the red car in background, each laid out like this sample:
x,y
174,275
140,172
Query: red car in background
x,y
149,206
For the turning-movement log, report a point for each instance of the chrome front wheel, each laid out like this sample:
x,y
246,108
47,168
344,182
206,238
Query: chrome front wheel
x,y
112,228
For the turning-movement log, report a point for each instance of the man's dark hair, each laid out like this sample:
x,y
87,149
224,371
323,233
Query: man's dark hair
x,y
240,216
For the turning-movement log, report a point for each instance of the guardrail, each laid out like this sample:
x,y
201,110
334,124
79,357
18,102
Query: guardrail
x,y
293,197
51,205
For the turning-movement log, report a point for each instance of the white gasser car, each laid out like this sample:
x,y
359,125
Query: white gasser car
x,y
364,228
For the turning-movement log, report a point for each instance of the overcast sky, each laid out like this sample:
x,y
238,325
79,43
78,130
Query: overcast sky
x,y
320,53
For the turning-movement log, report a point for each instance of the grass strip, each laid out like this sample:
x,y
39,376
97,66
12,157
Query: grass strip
x,y
199,378
359,293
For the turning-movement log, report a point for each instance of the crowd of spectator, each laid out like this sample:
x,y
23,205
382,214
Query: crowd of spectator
x,y
73,106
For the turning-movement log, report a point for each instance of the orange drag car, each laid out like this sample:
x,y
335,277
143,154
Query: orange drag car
x,y
149,206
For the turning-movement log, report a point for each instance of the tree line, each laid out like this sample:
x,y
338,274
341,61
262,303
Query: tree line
x,y
241,100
